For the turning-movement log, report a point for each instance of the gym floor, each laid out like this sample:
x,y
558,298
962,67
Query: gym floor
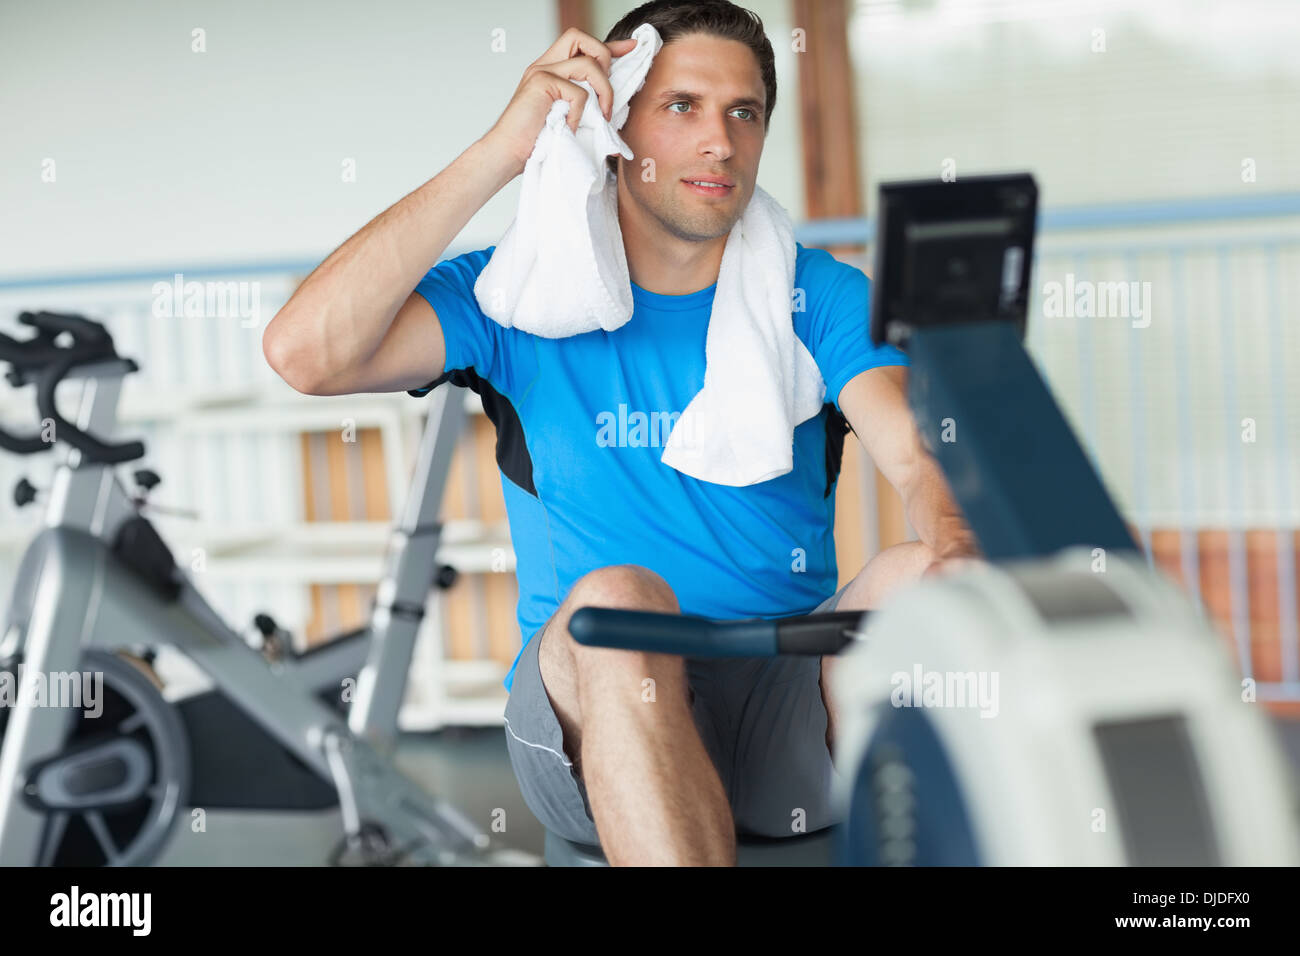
x,y
469,766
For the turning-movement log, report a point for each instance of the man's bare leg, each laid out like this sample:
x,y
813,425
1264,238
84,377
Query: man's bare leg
x,y
887,571
654,792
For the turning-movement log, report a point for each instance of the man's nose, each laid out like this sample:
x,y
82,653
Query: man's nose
x,y
715,141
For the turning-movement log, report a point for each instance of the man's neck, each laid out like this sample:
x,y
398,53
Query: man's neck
x,y
662,263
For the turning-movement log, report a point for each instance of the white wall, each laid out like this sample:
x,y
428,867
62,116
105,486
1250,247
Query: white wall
x,y
165,156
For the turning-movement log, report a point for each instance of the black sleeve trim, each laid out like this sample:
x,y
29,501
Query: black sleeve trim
x,y
837,426
425,390
512,450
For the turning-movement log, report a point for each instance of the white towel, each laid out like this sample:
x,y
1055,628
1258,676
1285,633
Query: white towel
x,y
561,270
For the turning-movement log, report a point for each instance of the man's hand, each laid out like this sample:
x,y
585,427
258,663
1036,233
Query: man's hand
x,y
953,565
574,56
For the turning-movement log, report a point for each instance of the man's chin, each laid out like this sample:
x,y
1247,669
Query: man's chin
x,y
688,236
693,225
698,229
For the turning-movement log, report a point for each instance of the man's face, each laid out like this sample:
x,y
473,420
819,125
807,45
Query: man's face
x,y
699,116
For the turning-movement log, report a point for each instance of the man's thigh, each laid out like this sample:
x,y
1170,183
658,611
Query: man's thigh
x,y
782,773
762,721
549,777
544,770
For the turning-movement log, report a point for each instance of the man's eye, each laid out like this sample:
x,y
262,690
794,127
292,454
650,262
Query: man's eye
x,y
749,114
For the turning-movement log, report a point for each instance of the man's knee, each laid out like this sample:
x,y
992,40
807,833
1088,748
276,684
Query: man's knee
x,y
884,574
571,671
627,586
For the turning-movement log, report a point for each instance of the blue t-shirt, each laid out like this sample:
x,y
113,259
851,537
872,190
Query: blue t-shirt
x,y
582,423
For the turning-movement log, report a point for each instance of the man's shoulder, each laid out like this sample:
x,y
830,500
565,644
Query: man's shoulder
x,y
451,281
816,269
471,260
827,289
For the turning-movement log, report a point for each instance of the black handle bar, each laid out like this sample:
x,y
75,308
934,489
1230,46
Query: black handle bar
x,y
690,636
25,357
40,358
22,444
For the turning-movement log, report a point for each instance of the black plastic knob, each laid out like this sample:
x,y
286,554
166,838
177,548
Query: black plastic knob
x,y
24,492
446,577
146,479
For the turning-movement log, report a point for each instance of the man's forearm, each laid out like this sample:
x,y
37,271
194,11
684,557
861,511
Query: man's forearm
x,y
341,312
933,513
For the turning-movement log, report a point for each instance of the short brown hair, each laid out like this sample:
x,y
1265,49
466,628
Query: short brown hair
x,y
720,18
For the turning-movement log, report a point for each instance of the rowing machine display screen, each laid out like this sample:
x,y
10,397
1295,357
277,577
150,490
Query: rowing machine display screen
x,y
952,252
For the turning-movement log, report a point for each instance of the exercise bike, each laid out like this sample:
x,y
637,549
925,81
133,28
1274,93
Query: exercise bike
x,y
98,596
1116,731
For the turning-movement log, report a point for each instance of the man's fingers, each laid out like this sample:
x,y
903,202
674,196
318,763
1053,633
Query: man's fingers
x,y
573,42
580,56
585,68
577,99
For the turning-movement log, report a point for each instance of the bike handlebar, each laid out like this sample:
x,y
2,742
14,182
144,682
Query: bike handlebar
x,y
22,444
48,363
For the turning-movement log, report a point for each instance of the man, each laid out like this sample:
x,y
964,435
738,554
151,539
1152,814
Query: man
x,y
657,758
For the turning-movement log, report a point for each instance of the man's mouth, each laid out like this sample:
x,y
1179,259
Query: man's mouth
x,y
710,187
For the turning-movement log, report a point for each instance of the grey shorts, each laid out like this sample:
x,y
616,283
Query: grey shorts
x,y
762,721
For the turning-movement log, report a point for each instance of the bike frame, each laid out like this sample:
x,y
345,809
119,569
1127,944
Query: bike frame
x,y
72,593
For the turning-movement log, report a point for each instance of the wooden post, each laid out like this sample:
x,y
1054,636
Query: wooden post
x,y
828,119
573,13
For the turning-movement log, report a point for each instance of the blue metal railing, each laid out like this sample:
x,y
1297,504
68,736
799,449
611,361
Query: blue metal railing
x,y
1180,212
821,232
